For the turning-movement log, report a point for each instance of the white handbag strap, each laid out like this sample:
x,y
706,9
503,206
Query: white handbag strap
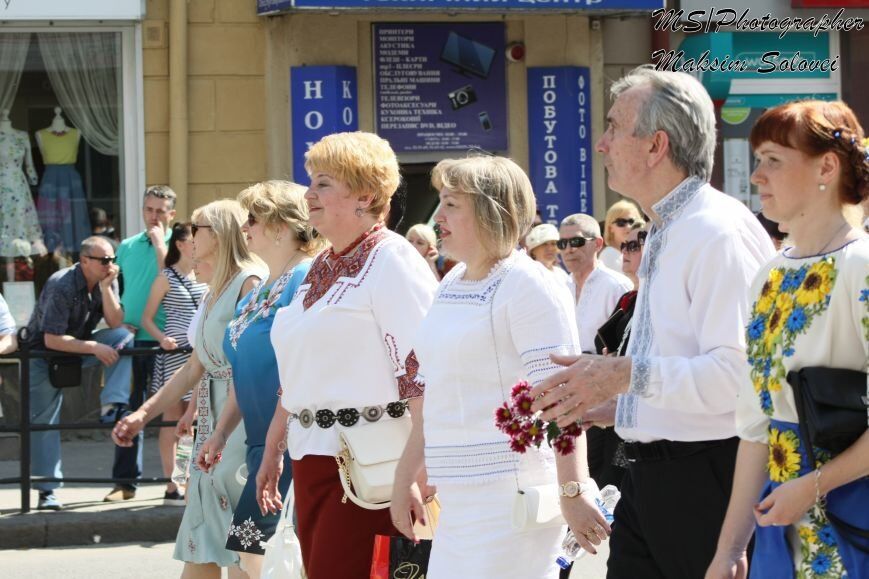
x,y
498,362
344,477
286,519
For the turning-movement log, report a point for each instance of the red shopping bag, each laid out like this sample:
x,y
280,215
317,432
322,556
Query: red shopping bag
x,y
399,558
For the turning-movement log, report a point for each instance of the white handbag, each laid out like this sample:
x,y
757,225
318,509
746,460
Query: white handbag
x,y
367,460
283,558
537,507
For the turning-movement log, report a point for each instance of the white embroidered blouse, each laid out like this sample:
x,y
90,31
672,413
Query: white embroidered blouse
x,y
349,348
533,317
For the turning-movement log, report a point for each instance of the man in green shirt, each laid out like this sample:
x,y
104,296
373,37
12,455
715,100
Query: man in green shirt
x,y
140,258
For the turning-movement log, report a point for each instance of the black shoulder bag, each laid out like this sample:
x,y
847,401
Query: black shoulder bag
x,y
831,406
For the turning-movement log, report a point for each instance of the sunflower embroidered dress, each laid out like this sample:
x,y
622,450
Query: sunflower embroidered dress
x,y
811,311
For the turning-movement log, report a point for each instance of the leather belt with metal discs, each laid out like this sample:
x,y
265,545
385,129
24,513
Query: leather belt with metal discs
x,y
348,417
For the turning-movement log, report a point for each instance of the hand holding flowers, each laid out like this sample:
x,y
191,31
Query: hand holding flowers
x,y
517,419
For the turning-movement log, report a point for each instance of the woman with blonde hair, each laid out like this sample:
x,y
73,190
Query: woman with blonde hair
x,y
805,499
620,218
277,231
495,321
211,496
425,241
357,311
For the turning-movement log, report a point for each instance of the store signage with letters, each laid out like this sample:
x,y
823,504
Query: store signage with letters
x,y
441,86
271,6
559,140
324,101
66,10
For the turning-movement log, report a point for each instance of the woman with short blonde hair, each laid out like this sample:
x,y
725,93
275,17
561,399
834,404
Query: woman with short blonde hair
x,y
357,311
620,218
495,321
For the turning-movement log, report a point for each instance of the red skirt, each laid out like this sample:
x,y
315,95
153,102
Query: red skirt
x,y
337,538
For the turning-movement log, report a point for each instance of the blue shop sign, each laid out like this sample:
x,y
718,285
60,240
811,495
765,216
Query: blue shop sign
x,y
559,140
271,6
441,86
324,101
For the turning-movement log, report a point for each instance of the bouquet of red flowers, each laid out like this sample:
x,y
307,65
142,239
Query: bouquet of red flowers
x,y
524,427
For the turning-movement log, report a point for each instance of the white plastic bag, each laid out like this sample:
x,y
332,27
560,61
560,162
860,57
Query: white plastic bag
x,y
283,558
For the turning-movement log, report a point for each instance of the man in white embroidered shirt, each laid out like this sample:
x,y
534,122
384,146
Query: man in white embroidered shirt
x,y
676,388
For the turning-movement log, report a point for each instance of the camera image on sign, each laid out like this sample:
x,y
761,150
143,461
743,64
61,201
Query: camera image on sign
x,y
462,97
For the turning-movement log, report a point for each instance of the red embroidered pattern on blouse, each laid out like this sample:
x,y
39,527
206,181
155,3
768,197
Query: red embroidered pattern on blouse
x,y
392,351
409,385
329,267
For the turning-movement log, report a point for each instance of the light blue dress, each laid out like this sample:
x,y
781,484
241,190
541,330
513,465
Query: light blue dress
x,y
212,497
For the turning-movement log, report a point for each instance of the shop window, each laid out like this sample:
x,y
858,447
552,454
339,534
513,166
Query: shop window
x,y
61,147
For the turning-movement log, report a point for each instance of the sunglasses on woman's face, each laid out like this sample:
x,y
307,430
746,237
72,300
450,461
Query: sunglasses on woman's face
x,y
194,228
635,246
624,222
573,242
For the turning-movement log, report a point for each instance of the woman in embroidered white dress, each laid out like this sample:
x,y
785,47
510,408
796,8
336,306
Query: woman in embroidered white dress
x,y
810,308
496,318
344,349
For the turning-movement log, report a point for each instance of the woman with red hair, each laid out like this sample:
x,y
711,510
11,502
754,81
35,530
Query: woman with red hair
x,y
810,308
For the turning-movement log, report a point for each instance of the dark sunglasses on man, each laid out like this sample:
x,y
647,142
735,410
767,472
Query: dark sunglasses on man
x,y
573,242
635,246
624,222
103,260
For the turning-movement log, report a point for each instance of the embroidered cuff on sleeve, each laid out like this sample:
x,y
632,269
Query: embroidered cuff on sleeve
x,y
410,385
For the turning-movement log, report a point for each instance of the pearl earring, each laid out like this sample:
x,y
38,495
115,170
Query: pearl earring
x,y
822,187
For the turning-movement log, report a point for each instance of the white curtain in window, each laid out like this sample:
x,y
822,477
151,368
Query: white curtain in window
x,y
83,70
13,53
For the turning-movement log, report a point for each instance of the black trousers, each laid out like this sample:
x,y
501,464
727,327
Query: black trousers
x,y
670,514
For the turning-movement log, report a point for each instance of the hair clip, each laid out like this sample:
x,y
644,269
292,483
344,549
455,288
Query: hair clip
x,y
837,133
853,140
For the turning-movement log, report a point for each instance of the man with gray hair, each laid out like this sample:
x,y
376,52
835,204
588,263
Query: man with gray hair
x,y
71,304
596,289
676,387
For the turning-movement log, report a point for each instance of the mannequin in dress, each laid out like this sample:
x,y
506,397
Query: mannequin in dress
x,y
62,205
18,220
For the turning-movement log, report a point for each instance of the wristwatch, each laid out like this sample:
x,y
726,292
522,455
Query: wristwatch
x,y
572,489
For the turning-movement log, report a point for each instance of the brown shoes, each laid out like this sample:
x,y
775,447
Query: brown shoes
x,y
119,494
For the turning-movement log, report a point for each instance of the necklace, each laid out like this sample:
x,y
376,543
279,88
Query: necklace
x,y
835,235
261,301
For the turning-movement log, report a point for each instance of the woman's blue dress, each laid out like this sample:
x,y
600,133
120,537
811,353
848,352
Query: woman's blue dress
x,y
255,371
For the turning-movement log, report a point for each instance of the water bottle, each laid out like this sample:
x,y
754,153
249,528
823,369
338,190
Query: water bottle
x,y
182,460
570,548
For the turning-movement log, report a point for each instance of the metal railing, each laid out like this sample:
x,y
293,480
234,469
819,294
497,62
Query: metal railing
x,y
25,428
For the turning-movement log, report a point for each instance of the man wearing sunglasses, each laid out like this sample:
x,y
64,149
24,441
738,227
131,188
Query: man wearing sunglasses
x,y
676,388
596,288
140,258
72,303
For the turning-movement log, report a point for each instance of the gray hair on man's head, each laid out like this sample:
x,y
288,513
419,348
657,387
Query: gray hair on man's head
x,y
161,192
679,106
587,224
90,243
